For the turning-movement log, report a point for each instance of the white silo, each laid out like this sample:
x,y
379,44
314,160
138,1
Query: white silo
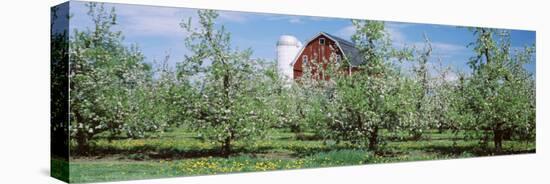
x,y
287,49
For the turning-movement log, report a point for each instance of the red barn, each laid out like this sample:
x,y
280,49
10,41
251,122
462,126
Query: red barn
x,y
320,48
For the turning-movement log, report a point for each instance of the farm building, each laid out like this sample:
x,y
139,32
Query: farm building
x,y
293,57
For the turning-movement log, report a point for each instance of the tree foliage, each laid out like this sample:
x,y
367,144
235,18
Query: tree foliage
x,y
500,92
224,95
232,96
110,85
376,96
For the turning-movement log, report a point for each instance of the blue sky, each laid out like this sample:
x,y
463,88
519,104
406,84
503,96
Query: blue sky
x,y
157,32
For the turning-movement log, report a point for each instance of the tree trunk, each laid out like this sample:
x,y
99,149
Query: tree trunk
x,y
416,135
440,129
498,134
295,128
226,147
373,139
83,146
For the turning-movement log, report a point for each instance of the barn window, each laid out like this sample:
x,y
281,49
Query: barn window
x,y
322,41
304,60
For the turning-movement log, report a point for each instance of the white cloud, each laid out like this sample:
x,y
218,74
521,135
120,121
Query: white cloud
x,y
396,35
346,32
442,50
445,49
295,20
451,76
290,18
448,47
153,21
137,20
395,32
436,69
319,18
233,16
393,29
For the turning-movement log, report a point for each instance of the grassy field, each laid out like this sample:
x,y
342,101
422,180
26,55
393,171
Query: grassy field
x,y
179,153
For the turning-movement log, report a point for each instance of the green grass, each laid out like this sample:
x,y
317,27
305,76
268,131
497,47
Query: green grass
x,y
179,153
60,169
91,171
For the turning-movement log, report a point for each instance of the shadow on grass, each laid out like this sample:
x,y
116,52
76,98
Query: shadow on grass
x,y
474,150
288,148
145,152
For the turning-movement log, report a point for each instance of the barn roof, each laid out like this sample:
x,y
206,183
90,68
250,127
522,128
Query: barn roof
x,y
348,48
351,53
